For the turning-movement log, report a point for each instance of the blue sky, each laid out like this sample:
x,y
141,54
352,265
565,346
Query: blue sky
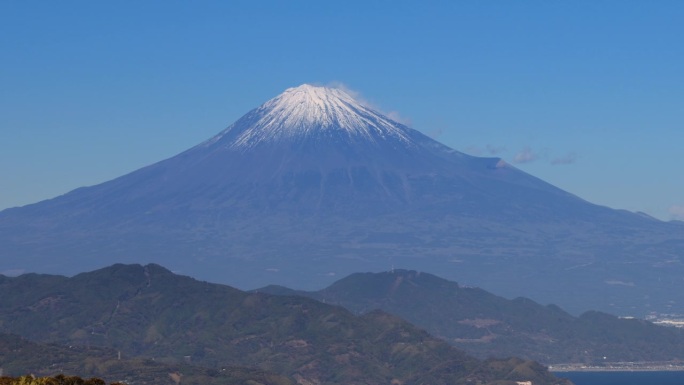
x,y
587,95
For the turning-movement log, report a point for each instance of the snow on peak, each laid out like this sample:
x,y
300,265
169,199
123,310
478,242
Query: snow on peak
x,y
311,111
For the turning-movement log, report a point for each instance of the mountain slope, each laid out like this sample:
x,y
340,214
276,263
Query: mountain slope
x,y
313,184
150,312
19,357
487,325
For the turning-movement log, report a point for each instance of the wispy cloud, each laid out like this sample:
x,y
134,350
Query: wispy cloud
x,y
486,150
676,212
436,133
528,155
473,150
525,156
569,158
397,117
394,115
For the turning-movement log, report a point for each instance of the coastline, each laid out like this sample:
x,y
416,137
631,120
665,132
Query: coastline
x,y
619,367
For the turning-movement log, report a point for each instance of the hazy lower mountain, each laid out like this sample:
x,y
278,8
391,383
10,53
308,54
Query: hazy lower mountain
x,y
149,312
486,325
313,185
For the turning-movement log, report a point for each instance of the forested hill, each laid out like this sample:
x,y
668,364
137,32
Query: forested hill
x,y
147,311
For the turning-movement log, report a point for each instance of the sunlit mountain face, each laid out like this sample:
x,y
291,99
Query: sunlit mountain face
x,y
313,185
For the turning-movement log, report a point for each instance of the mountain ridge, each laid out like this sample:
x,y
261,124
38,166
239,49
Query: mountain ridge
x,y
487,325
306,211
147,311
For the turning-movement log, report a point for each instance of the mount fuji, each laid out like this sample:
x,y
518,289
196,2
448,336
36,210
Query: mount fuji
x,y
313,185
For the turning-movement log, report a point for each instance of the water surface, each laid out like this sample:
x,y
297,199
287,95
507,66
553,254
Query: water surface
x,y
624,378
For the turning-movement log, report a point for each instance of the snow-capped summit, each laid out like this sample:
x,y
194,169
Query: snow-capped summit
x,y
312,112
313,183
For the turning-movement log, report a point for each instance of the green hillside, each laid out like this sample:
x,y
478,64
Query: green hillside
x,y
20,357
151,313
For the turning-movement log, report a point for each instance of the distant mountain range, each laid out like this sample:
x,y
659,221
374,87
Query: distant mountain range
x,y
169,324
490,326
312,186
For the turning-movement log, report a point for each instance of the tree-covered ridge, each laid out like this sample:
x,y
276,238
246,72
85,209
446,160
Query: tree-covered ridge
x,y
59,379
148,312
19,356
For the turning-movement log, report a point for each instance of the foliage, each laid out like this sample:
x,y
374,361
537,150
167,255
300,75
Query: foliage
x,y
59,379
207,333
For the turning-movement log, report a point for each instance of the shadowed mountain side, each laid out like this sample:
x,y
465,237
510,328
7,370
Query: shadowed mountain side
x,y
487,325
150,312
313,185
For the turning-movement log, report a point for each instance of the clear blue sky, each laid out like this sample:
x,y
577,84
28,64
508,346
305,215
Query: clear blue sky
x,y
587,95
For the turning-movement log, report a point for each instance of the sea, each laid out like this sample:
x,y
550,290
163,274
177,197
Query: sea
x,y
624,378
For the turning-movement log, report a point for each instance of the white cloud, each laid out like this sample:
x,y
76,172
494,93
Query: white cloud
x,y
528,155
394,115
353,93
525,156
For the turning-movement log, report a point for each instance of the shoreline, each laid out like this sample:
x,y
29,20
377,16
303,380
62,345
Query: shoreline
x,y
618,367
